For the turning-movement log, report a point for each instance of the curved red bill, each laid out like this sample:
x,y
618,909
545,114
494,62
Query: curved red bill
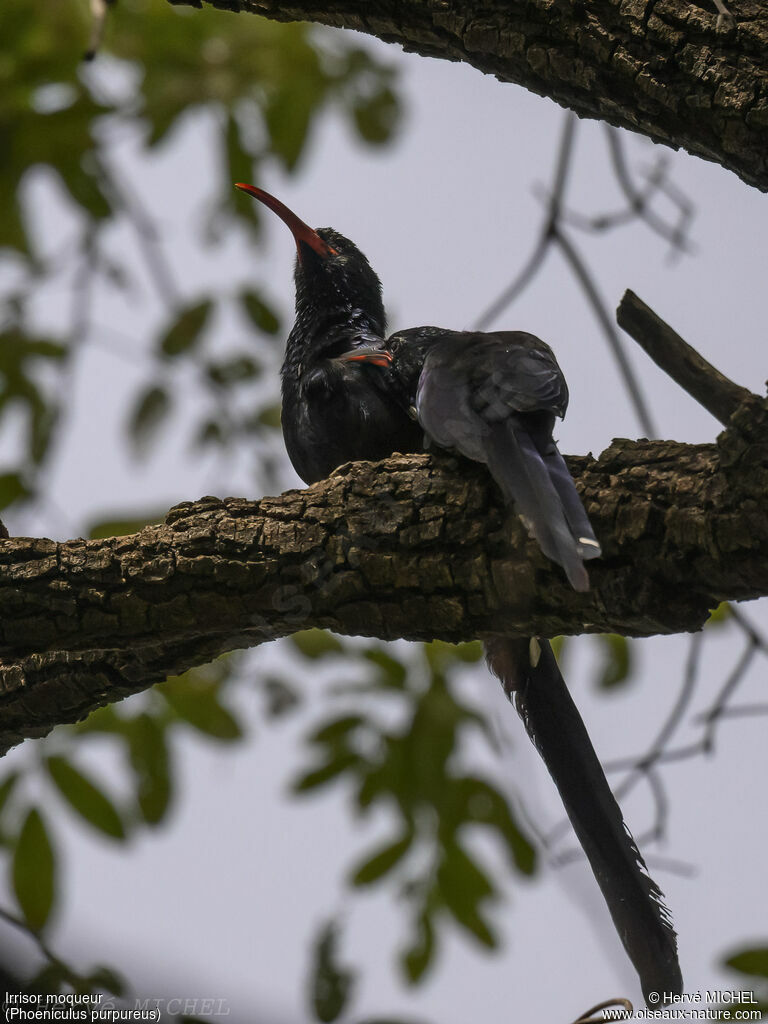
x,y
367,354
301,232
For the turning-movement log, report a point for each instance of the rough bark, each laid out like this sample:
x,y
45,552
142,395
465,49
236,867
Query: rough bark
x,y
665,68
418,547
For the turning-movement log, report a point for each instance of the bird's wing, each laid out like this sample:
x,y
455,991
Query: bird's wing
x,y
494,398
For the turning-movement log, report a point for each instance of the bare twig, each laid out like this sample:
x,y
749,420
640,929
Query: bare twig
x,y
683,364
128,200
552,233
600,309
546,234
47,952
728,688
639,200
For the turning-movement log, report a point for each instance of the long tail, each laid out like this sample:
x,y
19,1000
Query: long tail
x,y
530,676
578,523
544,494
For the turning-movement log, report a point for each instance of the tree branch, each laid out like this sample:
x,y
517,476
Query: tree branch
x,y
712,389
660,67
419,547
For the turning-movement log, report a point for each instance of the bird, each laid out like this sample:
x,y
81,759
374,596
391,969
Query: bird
x,y
350,393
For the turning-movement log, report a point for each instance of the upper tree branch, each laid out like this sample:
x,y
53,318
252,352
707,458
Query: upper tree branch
x,y
417,547
660,67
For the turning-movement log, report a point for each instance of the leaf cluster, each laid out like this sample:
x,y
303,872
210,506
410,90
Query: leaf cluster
x,y
140,736
414,771
262,88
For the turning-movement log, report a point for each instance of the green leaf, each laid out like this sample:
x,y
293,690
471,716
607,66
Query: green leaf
x,y
103,720
558,645
469,652
336,731
184,336
122,527
43,420
270,416
152,407
151,765
481,803
719,616
236,370
211,432
83,185
107,980
753,962
240,167
288,115
463,886
7,787
418,957
280,697
393,673
331,982
93,805
383,862
376,118
617,660
34,871
198,705
12,488
325,773
316,643
261,315
53,977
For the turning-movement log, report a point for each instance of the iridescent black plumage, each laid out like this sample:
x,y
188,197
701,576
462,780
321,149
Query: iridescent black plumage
x,y
339,410
349,394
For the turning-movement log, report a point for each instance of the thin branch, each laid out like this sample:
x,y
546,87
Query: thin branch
x,y
729,687
128,200
546,233
552,233
600,309
46,951
638,201
519,283
639,766
740,711
719,395
751,631
657,181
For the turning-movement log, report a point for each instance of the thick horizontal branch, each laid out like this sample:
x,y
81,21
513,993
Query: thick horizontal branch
x,y
712,389
661,67
419,547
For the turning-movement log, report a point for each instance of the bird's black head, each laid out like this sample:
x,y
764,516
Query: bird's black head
x,y
331,274
339,278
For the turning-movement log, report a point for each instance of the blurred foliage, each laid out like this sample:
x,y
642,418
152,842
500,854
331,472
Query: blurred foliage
x,y
752,967
414,771
615,660
141,735
331,984
262,86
